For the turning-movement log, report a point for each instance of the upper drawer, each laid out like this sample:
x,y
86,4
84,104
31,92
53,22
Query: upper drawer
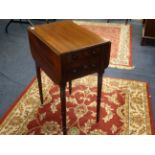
x,y
82,55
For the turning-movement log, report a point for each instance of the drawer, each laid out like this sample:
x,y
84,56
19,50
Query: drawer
x,y
79,56
79,70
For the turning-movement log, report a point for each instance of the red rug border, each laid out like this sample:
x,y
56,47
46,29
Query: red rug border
x,y
16,100
33,79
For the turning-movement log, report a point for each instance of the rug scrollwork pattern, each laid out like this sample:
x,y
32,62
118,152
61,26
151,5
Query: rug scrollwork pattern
x,y
124,109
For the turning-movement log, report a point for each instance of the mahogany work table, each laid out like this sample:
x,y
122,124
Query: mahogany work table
x,y
66,51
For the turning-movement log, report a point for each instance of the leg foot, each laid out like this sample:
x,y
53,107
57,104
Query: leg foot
x,y
126,21
63,107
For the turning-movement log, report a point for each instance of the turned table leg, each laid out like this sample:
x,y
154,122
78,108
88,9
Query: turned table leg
x,y
99,92
63,107
38,72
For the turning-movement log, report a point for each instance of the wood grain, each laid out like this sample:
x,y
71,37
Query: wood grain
x,y
63,37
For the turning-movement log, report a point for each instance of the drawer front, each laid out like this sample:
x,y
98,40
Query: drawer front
x,y
81,63
81,70
82,55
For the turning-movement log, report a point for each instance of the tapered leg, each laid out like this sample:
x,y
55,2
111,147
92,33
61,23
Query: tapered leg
x,y
70,87
63,107
39,83
99,90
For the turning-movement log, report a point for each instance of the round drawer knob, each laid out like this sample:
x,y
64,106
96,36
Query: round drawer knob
x,y
74,70
85,66
74,57
86,53
93,65
93,52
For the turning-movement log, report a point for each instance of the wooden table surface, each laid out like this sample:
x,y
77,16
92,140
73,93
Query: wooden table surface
x,y
63,37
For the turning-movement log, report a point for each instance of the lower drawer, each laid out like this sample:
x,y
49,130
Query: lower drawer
x,y
81,70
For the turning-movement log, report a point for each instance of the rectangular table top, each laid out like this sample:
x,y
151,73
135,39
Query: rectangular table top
x,y
65,36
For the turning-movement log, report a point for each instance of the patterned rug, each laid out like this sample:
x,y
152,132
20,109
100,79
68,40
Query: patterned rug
x,y
120,36
125,109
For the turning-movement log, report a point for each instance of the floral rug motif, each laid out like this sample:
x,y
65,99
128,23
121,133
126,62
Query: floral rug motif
x,y
120,36
125,109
